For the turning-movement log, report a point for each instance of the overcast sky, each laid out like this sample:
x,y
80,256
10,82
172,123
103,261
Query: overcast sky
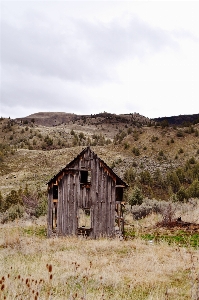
x,y
87,57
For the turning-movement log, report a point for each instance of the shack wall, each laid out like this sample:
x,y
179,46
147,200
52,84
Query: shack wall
x,y
99,196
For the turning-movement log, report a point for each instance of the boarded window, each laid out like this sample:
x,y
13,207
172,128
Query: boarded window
x,y
84,218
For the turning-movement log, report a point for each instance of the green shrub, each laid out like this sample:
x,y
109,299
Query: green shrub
x,y
72,132
173,181
41,209
129,130
136,197
180,133
154,139
192,161
14,212
48,141
129,176
82,136
136,136
11,199
181,175
164,123
136,151
148,207
182,194
145,177
193,190
126,146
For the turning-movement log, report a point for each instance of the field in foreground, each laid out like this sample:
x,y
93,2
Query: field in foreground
x,y
34,267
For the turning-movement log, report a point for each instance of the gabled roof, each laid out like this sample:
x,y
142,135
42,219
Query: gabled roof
x,y
70,164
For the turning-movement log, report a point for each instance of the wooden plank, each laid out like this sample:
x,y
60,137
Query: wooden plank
x,y
64,212
78,196
100,200
103,205
49,215
108,208
70,207
74,201
59,208
112,209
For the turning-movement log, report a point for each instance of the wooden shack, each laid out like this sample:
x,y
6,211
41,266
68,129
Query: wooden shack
x,y
85,198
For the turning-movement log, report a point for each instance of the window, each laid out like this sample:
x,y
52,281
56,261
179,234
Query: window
x,y
119,194
85,177
84,218
54,216
55,191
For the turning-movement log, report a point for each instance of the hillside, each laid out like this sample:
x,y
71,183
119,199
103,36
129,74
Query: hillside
x,y
155,259
61,118
179,120
32,153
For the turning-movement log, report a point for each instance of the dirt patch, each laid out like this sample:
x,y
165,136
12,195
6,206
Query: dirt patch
x,y
180,225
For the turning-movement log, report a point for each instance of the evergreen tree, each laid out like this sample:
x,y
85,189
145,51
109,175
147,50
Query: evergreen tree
x,y
136,197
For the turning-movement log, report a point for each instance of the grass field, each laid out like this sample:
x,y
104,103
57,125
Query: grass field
x,y
149,263
34,267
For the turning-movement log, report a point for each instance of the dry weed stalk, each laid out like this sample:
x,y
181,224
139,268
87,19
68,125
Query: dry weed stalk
x,y
96,269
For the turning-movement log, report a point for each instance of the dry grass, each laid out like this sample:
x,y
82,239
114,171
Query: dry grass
x,y
33,267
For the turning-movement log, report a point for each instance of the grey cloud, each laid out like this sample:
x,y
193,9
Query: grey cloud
x,y
48,51
113,42
80,51
33,93
48,64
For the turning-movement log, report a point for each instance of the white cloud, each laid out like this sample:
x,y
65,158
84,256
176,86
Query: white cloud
x,y
87,56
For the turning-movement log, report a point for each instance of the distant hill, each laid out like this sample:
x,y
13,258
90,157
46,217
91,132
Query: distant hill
x,y
179,120
58,118
48,118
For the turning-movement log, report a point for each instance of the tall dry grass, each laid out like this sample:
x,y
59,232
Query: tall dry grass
x,y
34,267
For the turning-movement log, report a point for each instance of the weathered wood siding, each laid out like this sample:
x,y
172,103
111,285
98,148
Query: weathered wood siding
x,y
99,197
49,212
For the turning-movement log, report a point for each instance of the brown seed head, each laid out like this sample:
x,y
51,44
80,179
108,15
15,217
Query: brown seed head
x,y
50,268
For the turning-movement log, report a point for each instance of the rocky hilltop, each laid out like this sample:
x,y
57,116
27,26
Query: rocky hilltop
x,y
59,118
